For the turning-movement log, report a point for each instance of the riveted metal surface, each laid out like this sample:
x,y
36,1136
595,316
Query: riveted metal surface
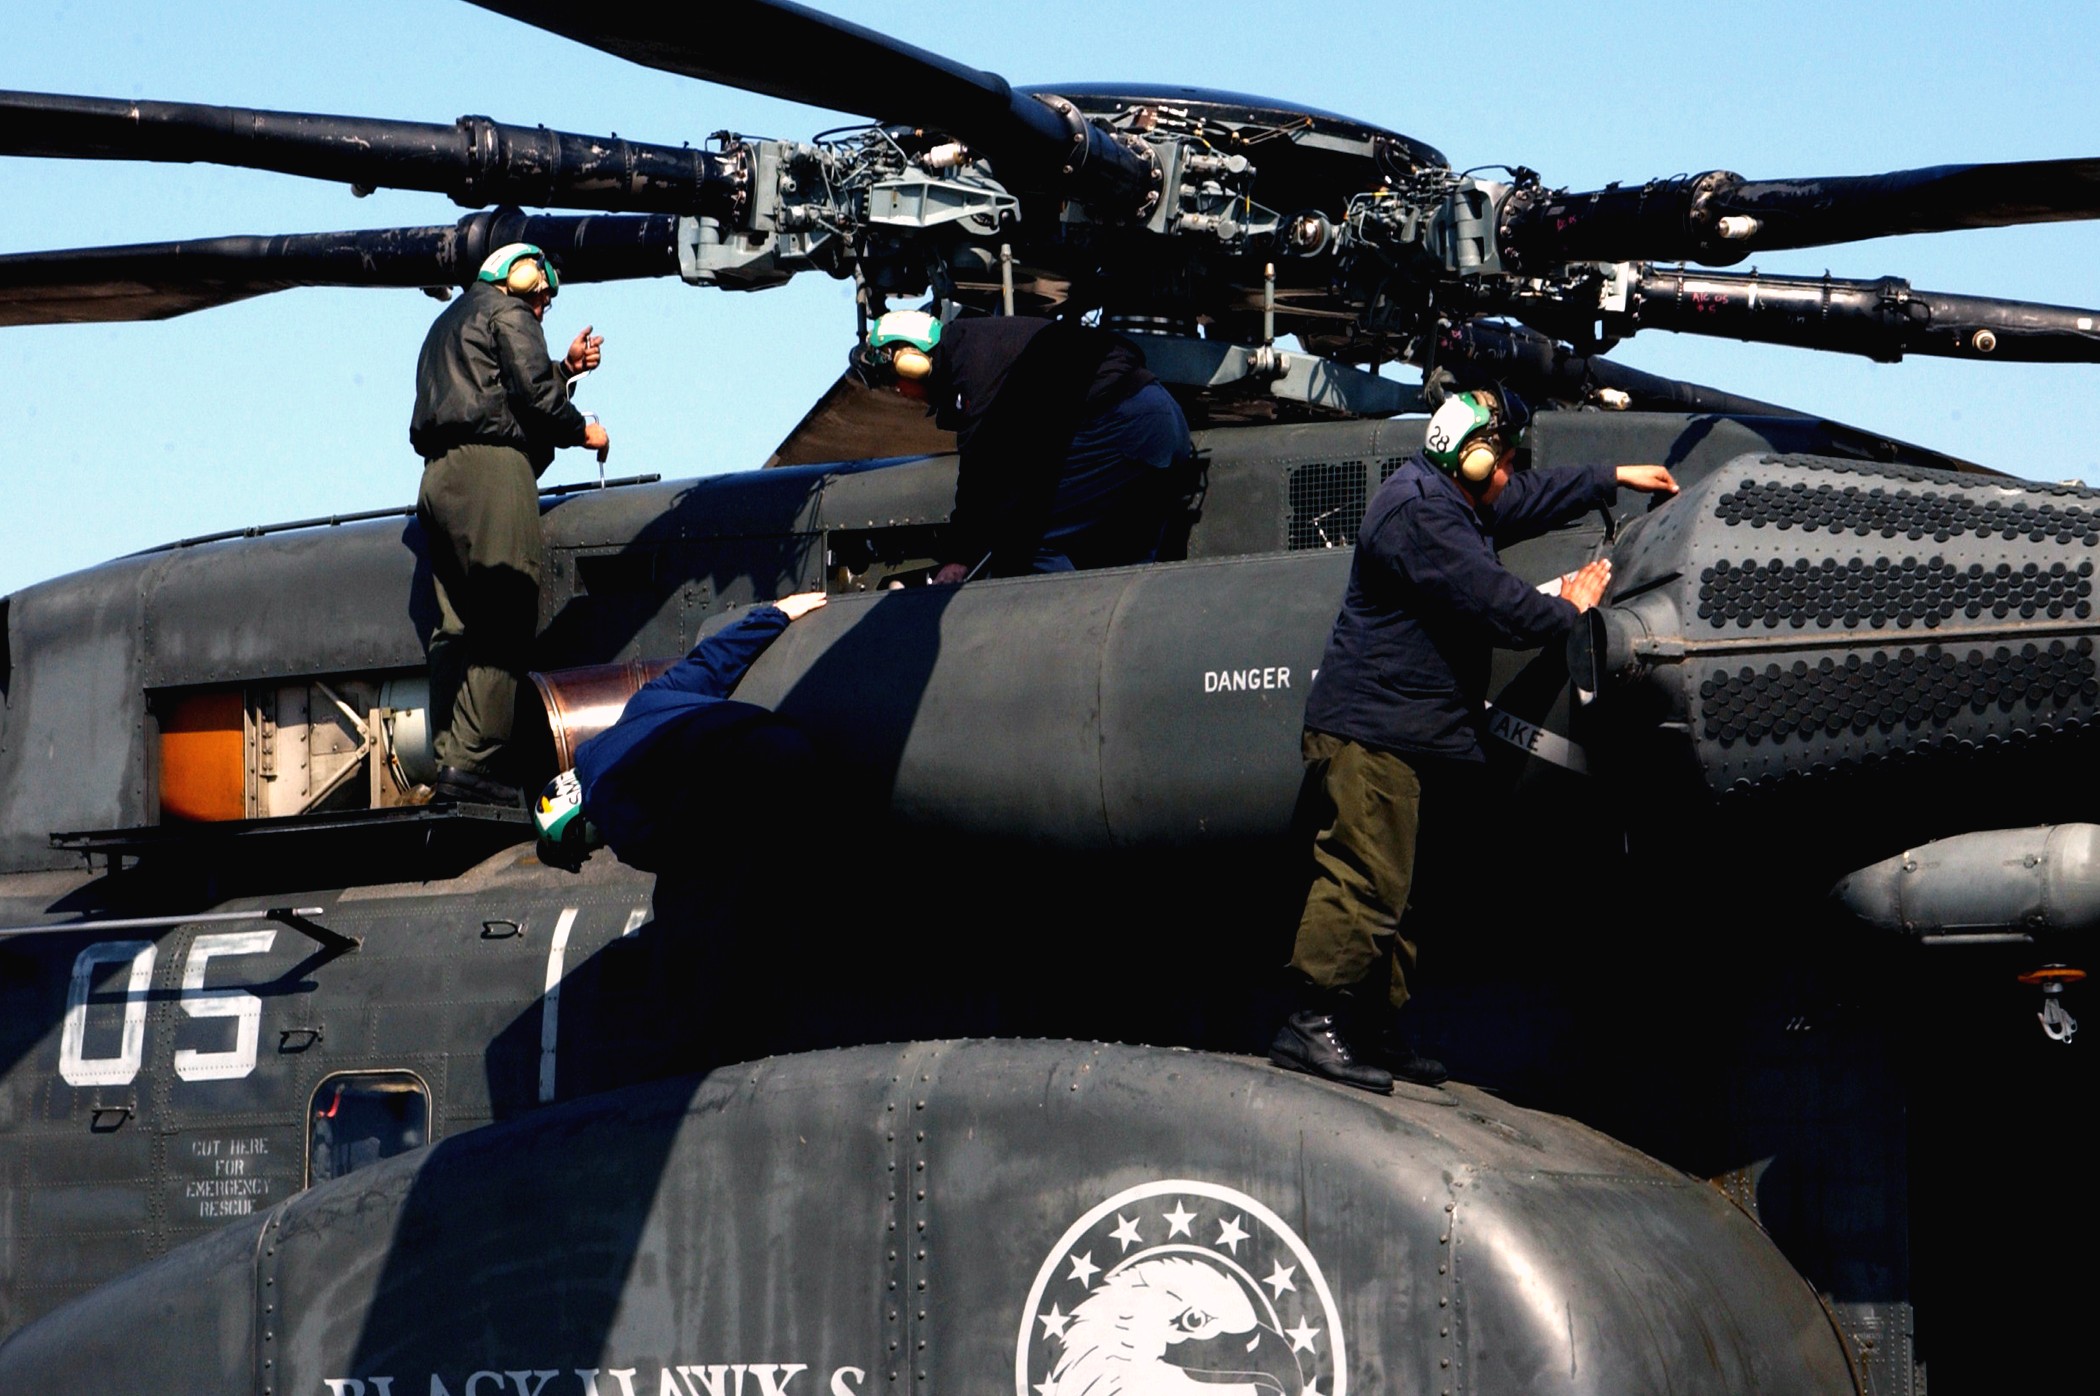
x,y
313,602
186,1323
1090,1211
1527,1328
907,493
98,1179
74,757
267,1311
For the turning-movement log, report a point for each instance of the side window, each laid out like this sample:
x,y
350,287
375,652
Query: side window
x,y
358,1118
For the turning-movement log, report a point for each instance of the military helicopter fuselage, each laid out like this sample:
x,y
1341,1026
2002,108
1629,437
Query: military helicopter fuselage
x,y
309,1083
1088,835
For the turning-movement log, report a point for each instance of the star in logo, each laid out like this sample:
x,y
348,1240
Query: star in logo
x,y
1178,1221
1302,1336
1084,1269
1054,1322
1127,1232
1280,1279
1230,1235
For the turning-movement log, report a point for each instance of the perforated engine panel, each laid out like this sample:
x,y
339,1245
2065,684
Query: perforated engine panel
x,y
1805,616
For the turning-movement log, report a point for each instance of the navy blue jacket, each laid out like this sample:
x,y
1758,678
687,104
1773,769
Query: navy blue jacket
x,y
1058,447
1406,667
616,757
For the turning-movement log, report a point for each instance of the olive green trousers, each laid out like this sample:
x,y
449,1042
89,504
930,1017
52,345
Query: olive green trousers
x,y
1363,873
480,511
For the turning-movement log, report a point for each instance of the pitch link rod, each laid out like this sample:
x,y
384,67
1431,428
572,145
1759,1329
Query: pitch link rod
x,y
1882,319
475,160
1720,218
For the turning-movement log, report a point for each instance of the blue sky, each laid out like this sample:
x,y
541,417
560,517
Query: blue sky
x,y
296,405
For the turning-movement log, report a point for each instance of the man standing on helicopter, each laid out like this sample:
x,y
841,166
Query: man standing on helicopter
x,y
1393,721
491,410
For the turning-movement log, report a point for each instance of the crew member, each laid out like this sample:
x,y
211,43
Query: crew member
x,y
1072,454
491,409
1392,724
685,762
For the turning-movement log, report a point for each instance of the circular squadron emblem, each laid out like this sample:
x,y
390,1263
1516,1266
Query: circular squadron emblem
x,y
1176,1283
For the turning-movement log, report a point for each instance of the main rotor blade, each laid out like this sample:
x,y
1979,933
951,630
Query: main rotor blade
x,y
475,160
1882,319
1719,217
779,49
155,281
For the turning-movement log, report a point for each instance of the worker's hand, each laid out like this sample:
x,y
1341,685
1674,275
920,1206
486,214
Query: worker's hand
x,y
801,603
1648,479
595,438
584,352
1584,587
950,573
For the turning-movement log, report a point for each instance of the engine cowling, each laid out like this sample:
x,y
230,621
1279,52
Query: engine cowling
x,y
1792,618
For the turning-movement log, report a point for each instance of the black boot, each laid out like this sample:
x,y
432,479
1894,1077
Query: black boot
x,y
1315,1040
473,788
1394,1050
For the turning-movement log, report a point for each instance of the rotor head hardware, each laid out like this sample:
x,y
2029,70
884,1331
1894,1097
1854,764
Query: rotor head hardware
x,y
1215,164
1308,234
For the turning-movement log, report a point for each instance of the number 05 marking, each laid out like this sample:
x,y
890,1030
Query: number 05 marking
x,y
73,1062
238,1004
79,1069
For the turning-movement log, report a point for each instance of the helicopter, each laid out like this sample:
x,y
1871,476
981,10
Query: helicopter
x,y
1142,739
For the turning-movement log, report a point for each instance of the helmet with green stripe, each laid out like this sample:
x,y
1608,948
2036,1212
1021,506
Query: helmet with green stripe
x,y
566,836
1470,434
521,269
902,341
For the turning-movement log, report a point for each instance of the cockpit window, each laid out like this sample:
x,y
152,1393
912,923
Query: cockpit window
x,y
359,1118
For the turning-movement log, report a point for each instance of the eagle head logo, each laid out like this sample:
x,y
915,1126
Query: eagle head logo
x,y
1180,1288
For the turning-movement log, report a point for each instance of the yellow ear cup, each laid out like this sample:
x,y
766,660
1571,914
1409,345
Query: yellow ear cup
x,y
1477,462
525,276
911,363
